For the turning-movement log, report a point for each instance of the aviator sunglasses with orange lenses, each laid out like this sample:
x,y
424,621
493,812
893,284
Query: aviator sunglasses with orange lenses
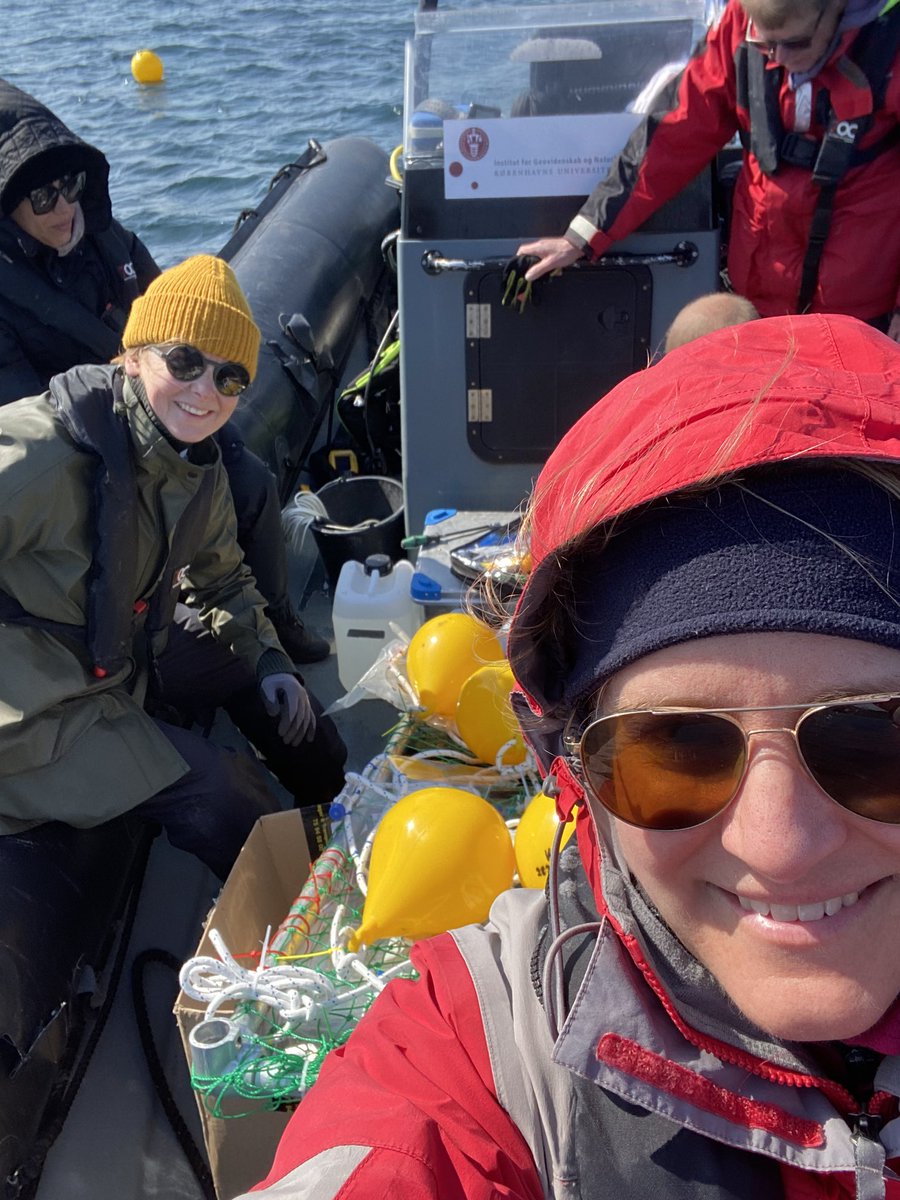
x,y
675,768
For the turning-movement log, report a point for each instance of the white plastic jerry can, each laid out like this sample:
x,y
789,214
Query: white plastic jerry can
x,y
369,598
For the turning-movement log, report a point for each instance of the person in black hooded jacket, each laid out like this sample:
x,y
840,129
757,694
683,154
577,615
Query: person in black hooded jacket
x,y
69,273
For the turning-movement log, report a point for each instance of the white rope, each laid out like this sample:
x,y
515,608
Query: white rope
x,y
294,993
346,961
298,516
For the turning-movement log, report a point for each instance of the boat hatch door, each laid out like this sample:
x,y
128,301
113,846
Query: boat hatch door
x,y
531,374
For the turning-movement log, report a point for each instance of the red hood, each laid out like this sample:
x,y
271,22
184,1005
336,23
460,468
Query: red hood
x,y
767,391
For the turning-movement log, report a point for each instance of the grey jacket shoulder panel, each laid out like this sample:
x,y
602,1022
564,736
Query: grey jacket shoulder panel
x,y
538,1095
321,1178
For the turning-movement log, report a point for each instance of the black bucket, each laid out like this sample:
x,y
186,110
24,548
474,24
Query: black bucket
x,y
365,516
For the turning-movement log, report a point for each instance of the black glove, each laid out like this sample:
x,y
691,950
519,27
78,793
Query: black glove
x,y
285,697
517,290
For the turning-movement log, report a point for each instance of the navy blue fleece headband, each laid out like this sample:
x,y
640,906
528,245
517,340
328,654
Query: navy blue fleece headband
x,y
810,550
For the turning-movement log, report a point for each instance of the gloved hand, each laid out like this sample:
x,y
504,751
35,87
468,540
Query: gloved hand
x,y
517,290
285,697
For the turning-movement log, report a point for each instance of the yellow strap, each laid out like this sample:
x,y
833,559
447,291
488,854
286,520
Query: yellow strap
x,y
335,457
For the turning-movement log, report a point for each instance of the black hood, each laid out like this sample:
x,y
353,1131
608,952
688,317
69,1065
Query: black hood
x,y
36,147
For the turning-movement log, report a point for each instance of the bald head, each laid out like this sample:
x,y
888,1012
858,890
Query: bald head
x,y
707,313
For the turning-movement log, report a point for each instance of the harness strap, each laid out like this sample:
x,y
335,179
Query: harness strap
x,y
27,288
12,613
24,288
818,235
868,65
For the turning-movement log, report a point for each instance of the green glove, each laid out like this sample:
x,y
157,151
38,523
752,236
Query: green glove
x,y
518,291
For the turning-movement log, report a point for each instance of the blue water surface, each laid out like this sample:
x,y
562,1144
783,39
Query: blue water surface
x,y
247,83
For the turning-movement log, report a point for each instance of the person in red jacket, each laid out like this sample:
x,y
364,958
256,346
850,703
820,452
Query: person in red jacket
x,y
809,86
704,1003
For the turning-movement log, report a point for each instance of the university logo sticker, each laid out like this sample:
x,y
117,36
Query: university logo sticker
x,y
473,143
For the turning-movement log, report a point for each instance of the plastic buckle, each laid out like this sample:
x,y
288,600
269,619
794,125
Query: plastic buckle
x,y
800,150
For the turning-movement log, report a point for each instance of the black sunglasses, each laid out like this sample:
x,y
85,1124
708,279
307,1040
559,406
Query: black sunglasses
x,y
186,363
44,199
770,46
677,768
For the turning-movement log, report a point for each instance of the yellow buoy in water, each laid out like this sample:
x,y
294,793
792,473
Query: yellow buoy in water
x,y
146,67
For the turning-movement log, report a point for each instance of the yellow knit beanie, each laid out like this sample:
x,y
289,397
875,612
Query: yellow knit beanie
x,y
200,301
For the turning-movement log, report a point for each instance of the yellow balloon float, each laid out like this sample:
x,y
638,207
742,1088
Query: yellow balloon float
x,y
146,67
484,715
440,857
442,655
534,837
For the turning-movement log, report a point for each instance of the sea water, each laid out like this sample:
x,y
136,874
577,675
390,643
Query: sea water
x,y
247,83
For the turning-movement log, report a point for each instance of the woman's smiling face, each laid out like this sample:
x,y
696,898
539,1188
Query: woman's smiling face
x,y
748,892
190,411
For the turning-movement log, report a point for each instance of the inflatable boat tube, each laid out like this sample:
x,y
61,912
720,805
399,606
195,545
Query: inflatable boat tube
x,y
64,892
309,259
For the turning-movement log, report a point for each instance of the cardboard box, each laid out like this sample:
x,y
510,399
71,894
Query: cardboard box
x,y
264,882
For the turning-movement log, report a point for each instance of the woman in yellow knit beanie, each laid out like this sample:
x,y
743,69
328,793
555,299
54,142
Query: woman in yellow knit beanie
x,y
200,301
192,327
115,506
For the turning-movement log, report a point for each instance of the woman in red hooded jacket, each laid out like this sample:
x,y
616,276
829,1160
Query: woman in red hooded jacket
x,y
704,1003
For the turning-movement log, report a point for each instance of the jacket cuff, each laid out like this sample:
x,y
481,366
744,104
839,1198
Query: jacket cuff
x,y
274,662
587,238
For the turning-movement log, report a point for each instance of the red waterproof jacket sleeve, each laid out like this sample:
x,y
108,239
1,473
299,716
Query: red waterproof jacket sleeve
x,y
408,1105
696,116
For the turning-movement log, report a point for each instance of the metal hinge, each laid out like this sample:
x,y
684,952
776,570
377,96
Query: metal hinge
x,y
478,321
481,405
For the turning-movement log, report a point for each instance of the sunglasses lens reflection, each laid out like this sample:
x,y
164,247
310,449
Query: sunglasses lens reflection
x,y
186,363
231,378
664,771
70,187
853,753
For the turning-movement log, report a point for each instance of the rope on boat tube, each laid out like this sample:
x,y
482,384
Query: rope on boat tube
x,y
179,1126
